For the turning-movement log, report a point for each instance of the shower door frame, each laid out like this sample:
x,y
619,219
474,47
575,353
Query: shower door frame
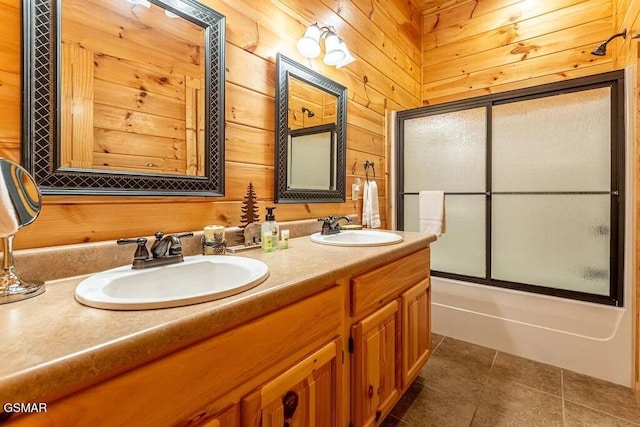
x,y
614,80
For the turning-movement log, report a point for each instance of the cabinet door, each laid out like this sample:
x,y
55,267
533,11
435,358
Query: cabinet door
x,y
374,365
307,395
416,330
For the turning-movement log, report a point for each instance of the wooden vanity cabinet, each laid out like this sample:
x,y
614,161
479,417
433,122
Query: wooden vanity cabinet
x,y
343,356
391,334
204,383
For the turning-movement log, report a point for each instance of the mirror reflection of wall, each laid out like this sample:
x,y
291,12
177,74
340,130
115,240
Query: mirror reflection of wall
x,y
124,97
312,158
112,94
309,106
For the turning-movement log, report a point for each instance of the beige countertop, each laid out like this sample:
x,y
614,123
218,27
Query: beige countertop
x,y
52,345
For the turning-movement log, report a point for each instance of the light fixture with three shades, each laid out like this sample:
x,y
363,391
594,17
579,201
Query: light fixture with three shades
x,y
336,52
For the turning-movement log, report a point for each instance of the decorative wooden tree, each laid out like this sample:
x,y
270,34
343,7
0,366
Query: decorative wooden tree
x,y
249,209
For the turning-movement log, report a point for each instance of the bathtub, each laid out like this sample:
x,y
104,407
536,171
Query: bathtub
x,y
591,339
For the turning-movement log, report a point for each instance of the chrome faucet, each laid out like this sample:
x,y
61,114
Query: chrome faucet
x,y
331,224
166,249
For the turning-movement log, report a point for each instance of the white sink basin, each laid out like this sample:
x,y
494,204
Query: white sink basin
x,y
197,279
357,238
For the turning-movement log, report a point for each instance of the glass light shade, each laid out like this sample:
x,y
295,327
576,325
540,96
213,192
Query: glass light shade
x,y
309,44
348,58
313,32
308,47
334,53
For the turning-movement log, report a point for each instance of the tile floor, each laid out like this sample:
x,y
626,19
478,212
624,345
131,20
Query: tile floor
x,y
464,384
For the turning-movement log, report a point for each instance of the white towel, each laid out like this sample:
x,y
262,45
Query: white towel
x,y
431,212
370,209
366,208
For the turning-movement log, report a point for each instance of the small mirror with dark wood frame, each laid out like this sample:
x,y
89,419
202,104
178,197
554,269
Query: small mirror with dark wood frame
x,y
310,149
124,97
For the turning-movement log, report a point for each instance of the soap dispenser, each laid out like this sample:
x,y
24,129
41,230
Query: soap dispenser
x,y
270,233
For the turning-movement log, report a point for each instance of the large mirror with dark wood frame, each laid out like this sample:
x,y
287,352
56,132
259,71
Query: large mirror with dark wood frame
x,y
310,149
124,97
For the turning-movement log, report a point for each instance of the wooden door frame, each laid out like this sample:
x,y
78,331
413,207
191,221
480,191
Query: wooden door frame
x,y
635,124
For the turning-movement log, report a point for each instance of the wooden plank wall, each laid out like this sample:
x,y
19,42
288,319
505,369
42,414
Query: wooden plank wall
x,y
636,273
10,79
384,36
476,47
627,14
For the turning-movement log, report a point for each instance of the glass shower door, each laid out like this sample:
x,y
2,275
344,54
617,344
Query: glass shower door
x,y
551,194
534,186
447,152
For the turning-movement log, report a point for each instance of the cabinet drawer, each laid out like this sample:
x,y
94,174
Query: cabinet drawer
x,y
377,287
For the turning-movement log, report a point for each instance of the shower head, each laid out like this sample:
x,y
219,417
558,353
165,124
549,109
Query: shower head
x,y
309,112
601,50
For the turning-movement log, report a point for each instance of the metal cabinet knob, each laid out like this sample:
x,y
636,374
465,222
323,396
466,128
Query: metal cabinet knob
x,y
289,405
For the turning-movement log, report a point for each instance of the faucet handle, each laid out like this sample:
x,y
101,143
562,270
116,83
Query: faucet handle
x,y
180,236
175,247
141,251
327,220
